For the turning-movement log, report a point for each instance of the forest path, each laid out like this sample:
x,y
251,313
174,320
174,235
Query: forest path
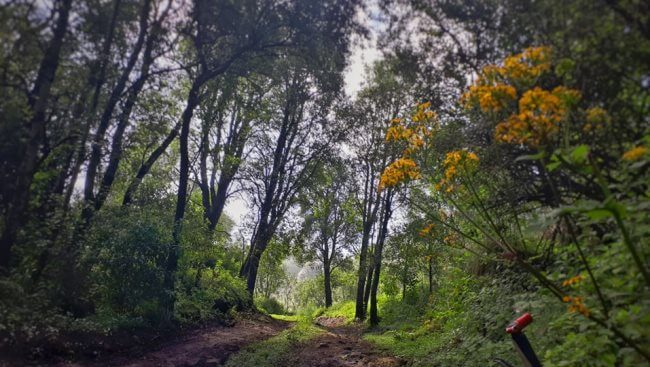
x,y
207,347
341,345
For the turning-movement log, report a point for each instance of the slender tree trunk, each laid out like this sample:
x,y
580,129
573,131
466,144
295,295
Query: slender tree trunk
x,y
328,283
96,81
360,313
125,116
148,164
181,197
366,291
252,263
374,315
430,275
104,122
38,102
269,215
219,201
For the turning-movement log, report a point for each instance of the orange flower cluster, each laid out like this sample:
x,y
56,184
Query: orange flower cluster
x,y
494,89
540,114
526,67
452,240
635,154
573,280
415,135
399,171
490,98
424,232
454,162
576,305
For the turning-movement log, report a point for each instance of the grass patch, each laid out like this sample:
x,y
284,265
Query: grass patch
x,y
276,350
289,318
404,345
343,309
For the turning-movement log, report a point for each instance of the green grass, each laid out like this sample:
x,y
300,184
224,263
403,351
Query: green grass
x,y
412,346
290,318
276,350
343,309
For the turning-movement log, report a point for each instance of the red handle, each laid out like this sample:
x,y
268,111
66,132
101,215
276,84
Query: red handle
x,y
520,323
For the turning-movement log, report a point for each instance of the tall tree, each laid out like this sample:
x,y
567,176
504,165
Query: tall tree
x,y
330,219
226,35
386,95
286,155
227,118
35,127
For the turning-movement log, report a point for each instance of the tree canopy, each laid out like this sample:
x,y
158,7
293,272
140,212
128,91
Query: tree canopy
x,y
167,164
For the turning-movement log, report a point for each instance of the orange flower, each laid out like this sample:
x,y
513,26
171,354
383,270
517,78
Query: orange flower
x,y
573,280
454,162
399,171
635,153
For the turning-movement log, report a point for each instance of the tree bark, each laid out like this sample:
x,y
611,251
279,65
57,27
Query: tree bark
x,y
369,214
148,164
181,197
38,102
366,291
430,275
274,204
360,310
123,122
104,122
374,316
328,283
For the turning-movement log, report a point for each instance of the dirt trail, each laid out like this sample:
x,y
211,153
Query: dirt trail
x,y
201,348
341,346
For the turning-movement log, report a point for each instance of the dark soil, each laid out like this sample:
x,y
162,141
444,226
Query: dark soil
x,y
207,346
341,346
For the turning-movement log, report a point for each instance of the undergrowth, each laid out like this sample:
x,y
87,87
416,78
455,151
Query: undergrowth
x,y
277,350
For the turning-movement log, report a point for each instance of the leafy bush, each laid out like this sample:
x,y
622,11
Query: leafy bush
x,y
269,305
216,299
128,254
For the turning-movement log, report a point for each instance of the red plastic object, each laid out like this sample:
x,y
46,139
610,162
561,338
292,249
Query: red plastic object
x,y
520,323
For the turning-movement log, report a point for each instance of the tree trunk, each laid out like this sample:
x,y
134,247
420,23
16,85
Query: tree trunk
x,y
104,122
366,291
252,263
219,201
148,164
360,310
38,102
430,275
374,316
116,146
328,283
181,197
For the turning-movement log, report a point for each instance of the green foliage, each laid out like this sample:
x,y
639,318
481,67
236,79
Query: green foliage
x,y
341,309
276,350
129,253
269,306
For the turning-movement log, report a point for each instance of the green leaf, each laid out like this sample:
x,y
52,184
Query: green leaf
x,y
579,154
530,157
599,213
553,166
616,207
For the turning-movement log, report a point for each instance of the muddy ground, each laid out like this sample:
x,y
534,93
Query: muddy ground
x,y
340,345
